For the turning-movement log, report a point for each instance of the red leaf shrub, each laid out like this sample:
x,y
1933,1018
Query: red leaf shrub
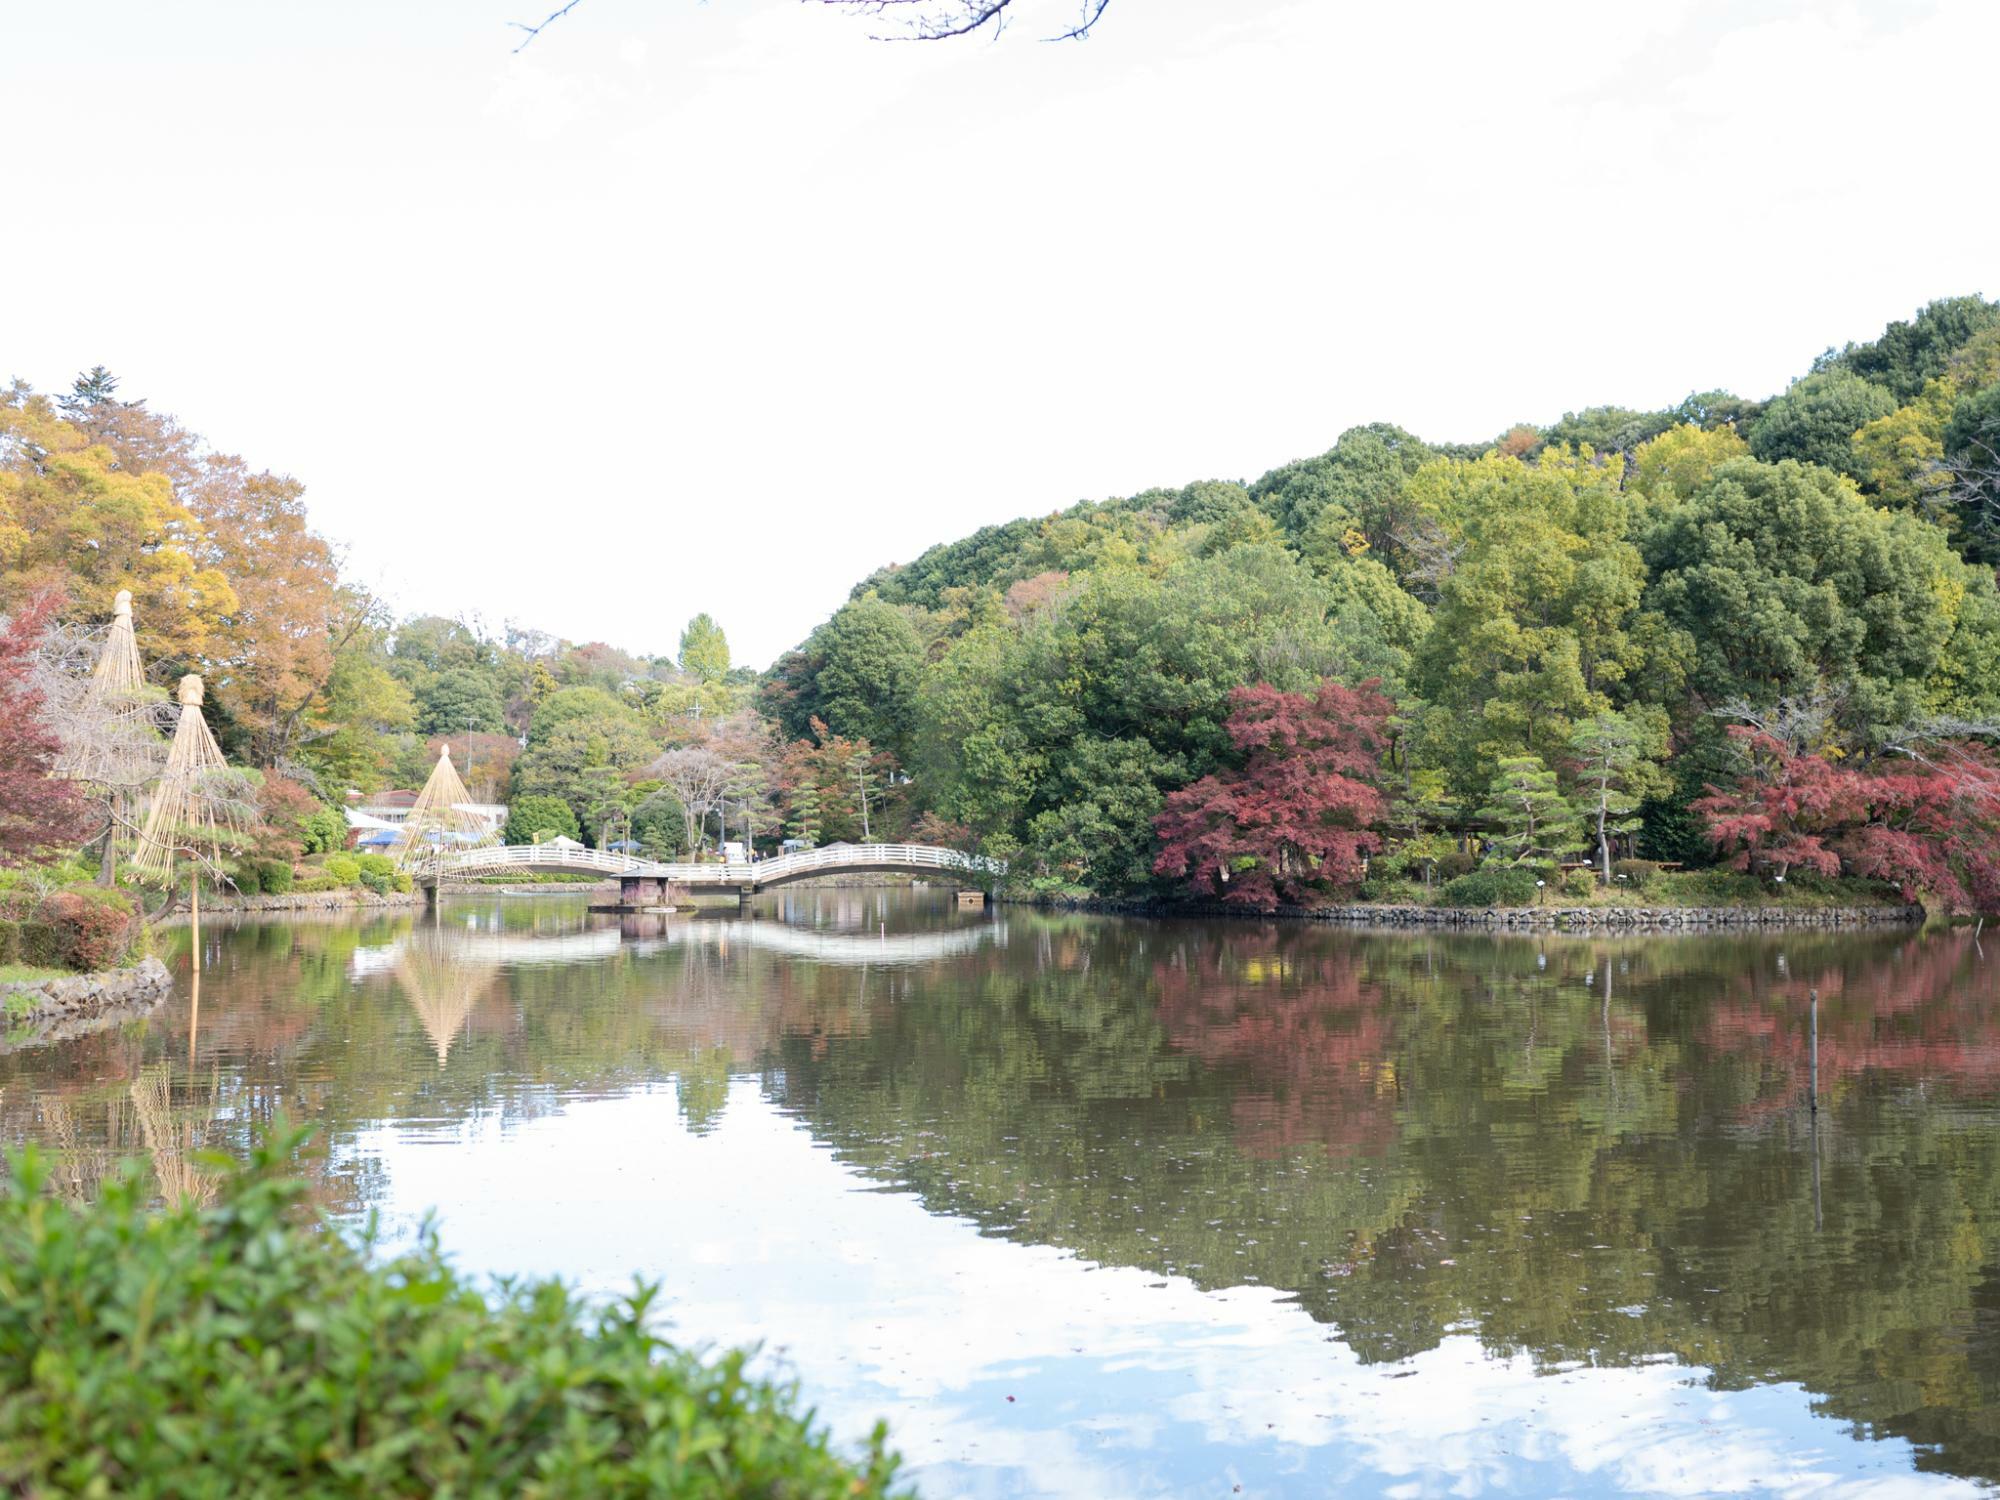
x,y
283,807
1296,819
93,929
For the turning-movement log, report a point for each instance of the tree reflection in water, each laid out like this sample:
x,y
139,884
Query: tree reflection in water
x,y
1590,1152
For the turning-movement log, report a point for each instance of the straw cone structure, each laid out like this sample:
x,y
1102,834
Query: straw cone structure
x,y
108,730
438,820
193,806
442,986
171,1143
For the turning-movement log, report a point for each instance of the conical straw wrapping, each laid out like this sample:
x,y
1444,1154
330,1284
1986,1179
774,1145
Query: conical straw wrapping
x,y
438,820
193,808
442,985
110,736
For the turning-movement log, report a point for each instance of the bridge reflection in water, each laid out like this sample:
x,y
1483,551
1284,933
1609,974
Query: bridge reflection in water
x,y
644,934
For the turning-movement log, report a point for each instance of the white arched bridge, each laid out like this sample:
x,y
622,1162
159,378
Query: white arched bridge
x,y
646,882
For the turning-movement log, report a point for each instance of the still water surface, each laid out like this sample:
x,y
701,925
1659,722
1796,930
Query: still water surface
x,y
1099,1208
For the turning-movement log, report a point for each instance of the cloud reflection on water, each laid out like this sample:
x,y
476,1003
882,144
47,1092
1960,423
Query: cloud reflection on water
x,y
1125,1382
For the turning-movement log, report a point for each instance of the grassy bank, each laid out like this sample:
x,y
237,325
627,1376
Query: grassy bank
x,y
28,974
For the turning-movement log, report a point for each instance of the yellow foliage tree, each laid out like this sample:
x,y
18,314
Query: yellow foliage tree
x,y
1900,457
72,519
1680,460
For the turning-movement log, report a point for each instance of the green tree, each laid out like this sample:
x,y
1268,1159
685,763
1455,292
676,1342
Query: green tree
x,y
858,673
1782,579
1360,482
1972,452
459,700
1909,355
1816,419
1617,768
579,760
1531,819
1536,623
1609,429
658,823
802,819
572,705
1418,820
704,653
539,816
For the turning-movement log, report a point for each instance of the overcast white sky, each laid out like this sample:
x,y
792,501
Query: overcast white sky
x,y
721,305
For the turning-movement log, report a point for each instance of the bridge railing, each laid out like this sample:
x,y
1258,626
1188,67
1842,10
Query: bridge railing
x,y
795,866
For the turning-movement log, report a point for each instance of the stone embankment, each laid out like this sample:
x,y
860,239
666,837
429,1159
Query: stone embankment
x,y
49,1010
1620,918
1531,918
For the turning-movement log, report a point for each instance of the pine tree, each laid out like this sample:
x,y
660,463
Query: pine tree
x,y
1615,772
1532,818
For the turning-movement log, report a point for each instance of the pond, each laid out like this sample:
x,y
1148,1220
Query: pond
x,y
1096,1207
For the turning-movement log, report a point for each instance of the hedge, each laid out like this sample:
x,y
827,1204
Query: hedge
x,y
250,1349
1499,886
1637,873
78,927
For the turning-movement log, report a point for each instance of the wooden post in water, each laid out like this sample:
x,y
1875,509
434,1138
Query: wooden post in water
x,y
1813,1102
194,917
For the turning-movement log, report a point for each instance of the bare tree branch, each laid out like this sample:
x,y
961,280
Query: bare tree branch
x,y
930,20
546,21
1799,721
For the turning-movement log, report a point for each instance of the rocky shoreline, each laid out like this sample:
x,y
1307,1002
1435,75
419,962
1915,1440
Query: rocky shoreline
x,y
56,1009
341,900
1623,918
1530,918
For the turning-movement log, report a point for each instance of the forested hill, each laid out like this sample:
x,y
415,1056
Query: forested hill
x,y
1574,634
1048,684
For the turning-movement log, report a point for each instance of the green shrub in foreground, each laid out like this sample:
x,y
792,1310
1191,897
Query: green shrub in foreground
x,y
248,1349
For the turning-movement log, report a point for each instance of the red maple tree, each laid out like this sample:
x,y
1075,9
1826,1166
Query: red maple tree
x,y
1785,810
1934,828
1296,819
1929,825
37,813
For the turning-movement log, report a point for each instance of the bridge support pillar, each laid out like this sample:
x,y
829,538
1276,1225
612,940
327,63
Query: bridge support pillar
x,y
636,891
